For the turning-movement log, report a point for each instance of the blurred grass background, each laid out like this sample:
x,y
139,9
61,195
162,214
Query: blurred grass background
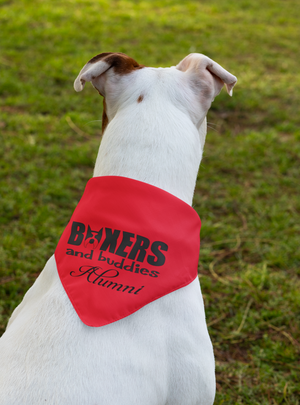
x,y
248,185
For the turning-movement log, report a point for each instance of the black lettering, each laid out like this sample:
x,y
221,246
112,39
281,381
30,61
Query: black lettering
x,y
92,238
131,289
80,254
115,285
126,242
129,267
89,270
110,241
154,273
94,234
85,270
115,273
103,284
77,233
119,265
139,289
159,258
101,257
93,272
144,271
104,274
89,255
139,249
70,252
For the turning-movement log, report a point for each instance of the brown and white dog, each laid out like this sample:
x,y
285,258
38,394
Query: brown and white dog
x,y
154,124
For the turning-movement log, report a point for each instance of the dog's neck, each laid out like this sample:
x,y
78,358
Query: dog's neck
x,y
165,153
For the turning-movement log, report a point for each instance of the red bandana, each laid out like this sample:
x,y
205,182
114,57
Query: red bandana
x,y
127,244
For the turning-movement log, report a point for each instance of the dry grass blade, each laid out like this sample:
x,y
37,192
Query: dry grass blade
x,y
250,302
214,321
221,257
287,335
5,280
76,128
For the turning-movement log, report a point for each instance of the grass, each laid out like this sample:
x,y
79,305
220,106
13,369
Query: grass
x,y
248,186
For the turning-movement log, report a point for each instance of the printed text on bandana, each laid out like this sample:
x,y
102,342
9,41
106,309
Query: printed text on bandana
x,y
114,251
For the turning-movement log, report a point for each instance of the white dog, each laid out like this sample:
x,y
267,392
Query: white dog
x,y
154,124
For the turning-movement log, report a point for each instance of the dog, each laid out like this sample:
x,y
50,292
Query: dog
x,y
154,129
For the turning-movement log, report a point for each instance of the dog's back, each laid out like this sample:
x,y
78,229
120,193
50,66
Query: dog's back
x,y
154,131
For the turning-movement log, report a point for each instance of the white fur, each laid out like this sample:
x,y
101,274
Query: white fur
x,y
162,354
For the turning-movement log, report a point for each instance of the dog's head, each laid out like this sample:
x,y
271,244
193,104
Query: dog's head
x,y
192,84
154,119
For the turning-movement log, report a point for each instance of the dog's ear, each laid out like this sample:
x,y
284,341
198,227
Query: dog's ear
x,y
205,69
99,64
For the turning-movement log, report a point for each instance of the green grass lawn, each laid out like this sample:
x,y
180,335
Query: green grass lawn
x,y
248,185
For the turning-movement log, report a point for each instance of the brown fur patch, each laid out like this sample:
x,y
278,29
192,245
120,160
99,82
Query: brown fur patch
x,y
104,117
99,57
140,99
121,63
